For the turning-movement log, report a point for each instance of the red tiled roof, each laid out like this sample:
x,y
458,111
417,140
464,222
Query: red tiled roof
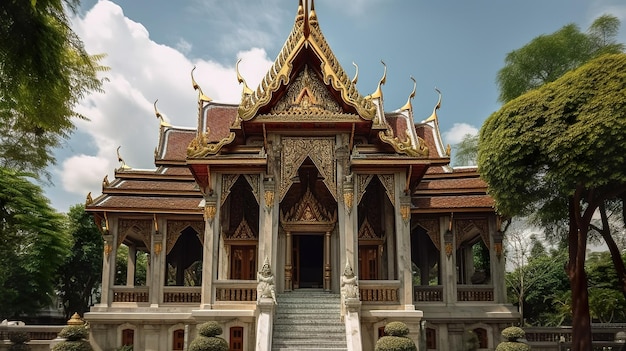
x,y
151,204
218,119
176,142
451,203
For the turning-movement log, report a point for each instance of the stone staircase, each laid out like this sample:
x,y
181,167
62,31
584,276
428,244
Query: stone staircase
x,y
308,319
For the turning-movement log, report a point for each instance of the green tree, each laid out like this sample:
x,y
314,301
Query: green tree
x,y
44,72
548,57
34,244
466,151
558,152
78,279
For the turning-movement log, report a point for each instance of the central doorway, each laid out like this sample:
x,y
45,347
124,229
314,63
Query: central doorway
x,y
308,253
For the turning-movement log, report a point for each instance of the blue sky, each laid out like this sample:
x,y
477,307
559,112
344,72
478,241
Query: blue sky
x,y
457,46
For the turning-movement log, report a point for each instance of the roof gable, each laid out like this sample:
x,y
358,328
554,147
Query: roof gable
x,y
305,53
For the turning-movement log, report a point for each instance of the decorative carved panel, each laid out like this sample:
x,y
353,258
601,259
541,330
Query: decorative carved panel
x,y
363,181
228,180
388,181
320,150
141,227
253,180
431,226
465,226
308,209
366,232
243,232
175,228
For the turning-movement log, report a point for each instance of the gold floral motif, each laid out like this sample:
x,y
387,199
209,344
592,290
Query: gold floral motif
x,y
107,249
448,249
269,199
201,147
209,212
405,211
404,147
348,199
158,248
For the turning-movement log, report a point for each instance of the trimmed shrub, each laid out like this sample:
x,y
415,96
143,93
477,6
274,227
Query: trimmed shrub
x,y
209,329
74,336
395,343
74,332
512,334
76,345
208,339
19,340
396,329
396,338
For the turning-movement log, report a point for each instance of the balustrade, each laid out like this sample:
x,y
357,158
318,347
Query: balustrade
x,y
428,293
135,294
235,290
182,294
479,293
379,291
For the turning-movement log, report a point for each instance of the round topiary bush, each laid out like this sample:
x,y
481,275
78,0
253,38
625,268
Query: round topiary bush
x,y
395,338
396,329
208,343
74,332
395,343
209,329
74,336
18,341
512,334
208,339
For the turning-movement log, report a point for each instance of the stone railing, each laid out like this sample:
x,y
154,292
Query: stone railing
x,y
137,294
235,290
379,291
474,293
428,293
182,294
41,336
605,337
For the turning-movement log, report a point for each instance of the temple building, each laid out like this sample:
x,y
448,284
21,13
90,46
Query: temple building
x,y
305,191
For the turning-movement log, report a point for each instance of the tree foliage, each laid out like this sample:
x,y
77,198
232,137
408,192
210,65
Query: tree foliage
x,y
44,72
34,244
466,151
559,152
78,279
548,57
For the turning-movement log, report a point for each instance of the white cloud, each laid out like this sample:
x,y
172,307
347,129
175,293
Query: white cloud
x,y
141,71
458,131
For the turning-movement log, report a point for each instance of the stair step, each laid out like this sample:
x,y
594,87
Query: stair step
x,y
308,320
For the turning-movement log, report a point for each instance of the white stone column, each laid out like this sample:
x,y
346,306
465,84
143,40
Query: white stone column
x,y
403,242
266,208
448,260
264,324
108,268
158,263
288,262
130,265
210,254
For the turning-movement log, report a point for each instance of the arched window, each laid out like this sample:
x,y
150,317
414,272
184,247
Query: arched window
x,y
178,340
236,339
128,337
431,339
482,338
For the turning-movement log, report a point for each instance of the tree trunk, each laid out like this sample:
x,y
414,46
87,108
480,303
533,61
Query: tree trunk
x,y
581,318
616,256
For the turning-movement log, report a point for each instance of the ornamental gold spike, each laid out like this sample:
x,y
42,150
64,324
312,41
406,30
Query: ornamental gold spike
x,y
195,85
356,75
159,116
89,199
123,164
379,91
433,116
408,106
246,90
313,15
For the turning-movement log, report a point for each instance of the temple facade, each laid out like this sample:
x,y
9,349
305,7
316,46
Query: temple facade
x,y
304,186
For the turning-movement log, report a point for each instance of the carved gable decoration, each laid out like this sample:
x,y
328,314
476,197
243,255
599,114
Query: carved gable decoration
x,y
366,232
243,232
467,229
307,96
308,210
320,150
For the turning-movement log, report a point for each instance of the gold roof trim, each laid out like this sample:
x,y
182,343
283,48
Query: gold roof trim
x,y
404,147
281,71
409,106
201,147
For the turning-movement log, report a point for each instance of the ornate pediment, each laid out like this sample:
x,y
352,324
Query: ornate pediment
x,y
243,232
307,44
366,232
308,210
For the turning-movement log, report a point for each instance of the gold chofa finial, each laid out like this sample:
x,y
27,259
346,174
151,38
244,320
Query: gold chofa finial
x,y
356,75
159,116
433,116
121,160
379,91
408,106
313,15
195,85
89,199
246,89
